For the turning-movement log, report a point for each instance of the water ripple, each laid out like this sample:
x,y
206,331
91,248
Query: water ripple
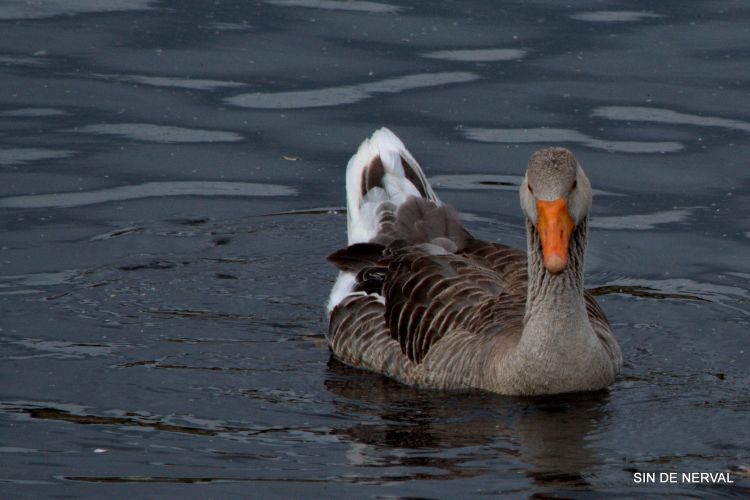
x,y
21,60
61,349
477,55
148,190
23,9
560,135
661,115
614,16
350,5
347,94
173,82
159,133
642,221
38,279
704,290
32,112
18,156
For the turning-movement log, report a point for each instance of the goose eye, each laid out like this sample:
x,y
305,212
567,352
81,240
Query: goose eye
x,y
530,190
575,183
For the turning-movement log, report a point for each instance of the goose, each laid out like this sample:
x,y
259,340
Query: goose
x,y
420,300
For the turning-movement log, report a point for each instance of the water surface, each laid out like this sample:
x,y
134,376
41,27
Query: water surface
x,y
171,179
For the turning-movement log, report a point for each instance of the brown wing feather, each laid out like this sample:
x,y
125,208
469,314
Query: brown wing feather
x,y
428,296
481,290
509,263
359,336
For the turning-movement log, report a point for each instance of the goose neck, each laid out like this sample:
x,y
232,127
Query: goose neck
x,y
555,293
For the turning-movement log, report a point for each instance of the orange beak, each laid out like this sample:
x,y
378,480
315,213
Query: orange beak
x,y
555,226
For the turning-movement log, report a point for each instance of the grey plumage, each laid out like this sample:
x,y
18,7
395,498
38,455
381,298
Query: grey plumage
x,y
432,306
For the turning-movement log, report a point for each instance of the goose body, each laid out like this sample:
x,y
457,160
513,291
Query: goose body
x,y
420,300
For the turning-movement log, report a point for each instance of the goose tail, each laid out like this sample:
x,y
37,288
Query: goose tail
x,y
380,177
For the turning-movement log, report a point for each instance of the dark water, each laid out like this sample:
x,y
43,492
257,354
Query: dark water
x,y
171,175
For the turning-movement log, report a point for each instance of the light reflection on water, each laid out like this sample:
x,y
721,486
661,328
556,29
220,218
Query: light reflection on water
x,y
477,55
158,133
348,94
564,136
148,190
19,156
345,5
32,112
20,9
659,115
173,82
614,16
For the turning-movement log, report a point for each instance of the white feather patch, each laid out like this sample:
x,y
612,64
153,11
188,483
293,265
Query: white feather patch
x,y
362,221
343,287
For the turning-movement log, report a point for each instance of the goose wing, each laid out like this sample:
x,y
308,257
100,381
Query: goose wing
x,y
475,291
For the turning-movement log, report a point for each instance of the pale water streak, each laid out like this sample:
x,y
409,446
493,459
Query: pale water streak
x,y
559,135
148,190
19,156
661,115
21,61
642,221
40,279
173,82
32,112
477,55
36,9
347,94
614,16
241,26
349,5
149,132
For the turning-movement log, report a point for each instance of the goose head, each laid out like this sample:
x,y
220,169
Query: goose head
x,y
555,198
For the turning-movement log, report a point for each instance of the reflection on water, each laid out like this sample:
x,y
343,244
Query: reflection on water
x,y
148,190
558,135
477,55
24,9
172,82
350,5
641,221
40,279
548,434
32,112
659,115
614,16
333,96
158,133
21,60
18,156
241,26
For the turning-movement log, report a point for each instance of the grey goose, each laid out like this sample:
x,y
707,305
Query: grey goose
x,y
420,300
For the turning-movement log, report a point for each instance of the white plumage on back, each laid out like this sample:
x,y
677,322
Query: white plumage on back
x,y
362,208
